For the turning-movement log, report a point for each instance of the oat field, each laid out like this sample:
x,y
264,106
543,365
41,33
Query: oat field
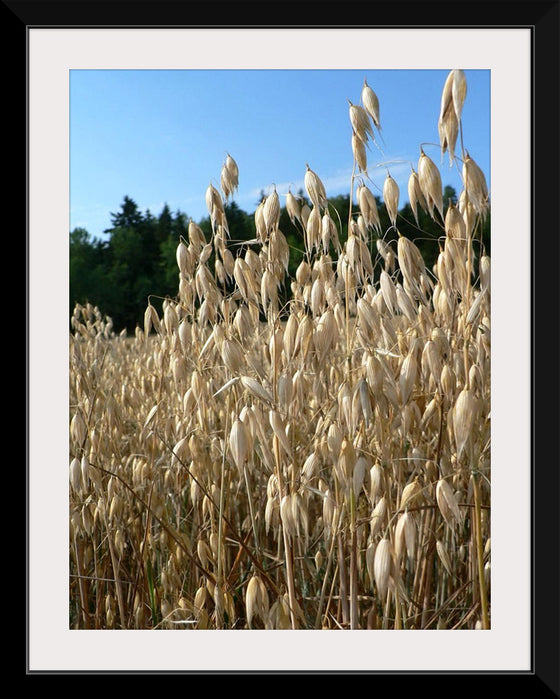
x,y
242,462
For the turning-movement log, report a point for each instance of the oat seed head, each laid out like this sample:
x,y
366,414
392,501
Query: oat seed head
x,y
315,188
429,179
360,121
370,102
391,194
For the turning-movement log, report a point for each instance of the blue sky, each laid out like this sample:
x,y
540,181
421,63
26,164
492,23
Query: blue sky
x,y
161,136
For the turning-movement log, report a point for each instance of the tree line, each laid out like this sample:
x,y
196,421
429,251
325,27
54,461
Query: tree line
x,y
136,260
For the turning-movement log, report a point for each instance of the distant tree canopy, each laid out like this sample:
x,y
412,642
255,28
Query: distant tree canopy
x,y
137,262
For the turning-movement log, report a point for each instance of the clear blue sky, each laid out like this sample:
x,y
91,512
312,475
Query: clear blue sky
x,y
161,136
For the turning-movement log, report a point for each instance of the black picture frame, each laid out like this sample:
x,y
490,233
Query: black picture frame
x,y
543,20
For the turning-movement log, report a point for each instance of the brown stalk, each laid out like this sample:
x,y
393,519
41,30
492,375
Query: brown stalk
x,y
324,585
84,604
285,536
480,552
181,543
353,569
342,572
116,566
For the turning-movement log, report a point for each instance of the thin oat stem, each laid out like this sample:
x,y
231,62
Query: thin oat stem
x,y
353,563
222,505
330,559
81,582
480,553
116,566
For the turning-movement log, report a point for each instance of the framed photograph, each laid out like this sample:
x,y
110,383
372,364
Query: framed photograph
x,y
295,417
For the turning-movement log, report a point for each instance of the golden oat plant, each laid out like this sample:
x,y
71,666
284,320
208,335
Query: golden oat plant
x,y
244,462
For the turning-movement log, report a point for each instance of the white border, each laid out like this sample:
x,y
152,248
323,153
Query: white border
x,y
52,53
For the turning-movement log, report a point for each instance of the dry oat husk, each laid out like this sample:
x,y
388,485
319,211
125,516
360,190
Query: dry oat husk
x,y
391,198
447,503
475,184
368,207
239,443
315,188
271,211
452,101
415,195
293,207
429,179
382,566
360,121
360,153
256,600
464,416
370,102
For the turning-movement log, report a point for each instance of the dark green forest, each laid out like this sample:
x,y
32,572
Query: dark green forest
x,y
135,261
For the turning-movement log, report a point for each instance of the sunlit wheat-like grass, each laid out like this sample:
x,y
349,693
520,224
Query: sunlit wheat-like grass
x,y
243,462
